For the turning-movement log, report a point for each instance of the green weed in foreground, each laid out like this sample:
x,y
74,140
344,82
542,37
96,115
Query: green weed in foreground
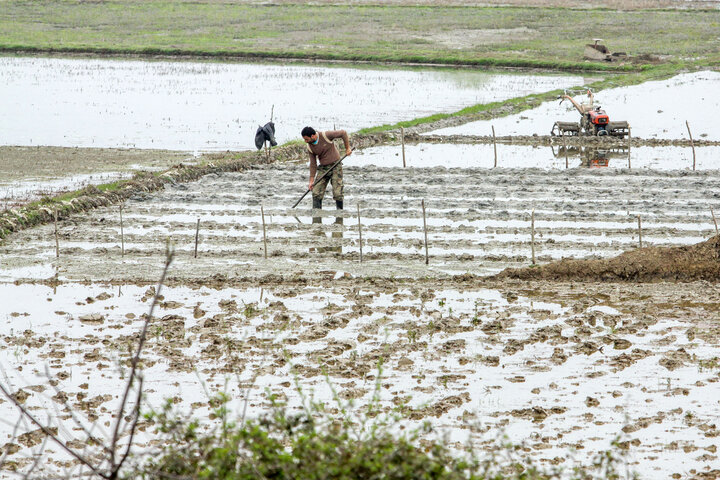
x,y
335,444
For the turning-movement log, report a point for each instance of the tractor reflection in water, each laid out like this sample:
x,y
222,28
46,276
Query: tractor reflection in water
x,y
592,157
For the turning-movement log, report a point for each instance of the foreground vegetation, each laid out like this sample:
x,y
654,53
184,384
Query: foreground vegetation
x,y
496,36
341,446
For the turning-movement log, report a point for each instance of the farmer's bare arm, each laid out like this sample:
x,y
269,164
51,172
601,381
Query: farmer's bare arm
x,y
313,170
333,134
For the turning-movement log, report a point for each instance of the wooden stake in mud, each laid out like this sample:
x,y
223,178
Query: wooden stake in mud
x,y
197,237
122,234
639,232
267,149
532,235
359,231
57,239
629,143
402,139
714,221
262,213
566,151
427,257
692,143
494,145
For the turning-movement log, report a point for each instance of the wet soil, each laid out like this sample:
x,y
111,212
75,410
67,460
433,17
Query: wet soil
x,y
602,339
688,263
557,366
478,223
28,173
571,141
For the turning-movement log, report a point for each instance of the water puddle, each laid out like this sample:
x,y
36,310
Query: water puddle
x,y
33,189
453,155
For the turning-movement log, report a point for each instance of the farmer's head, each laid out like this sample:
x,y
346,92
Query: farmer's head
x,y
309,135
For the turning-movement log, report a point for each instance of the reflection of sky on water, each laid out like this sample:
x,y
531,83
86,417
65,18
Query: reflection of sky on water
x,y
521,156
653,109
218,106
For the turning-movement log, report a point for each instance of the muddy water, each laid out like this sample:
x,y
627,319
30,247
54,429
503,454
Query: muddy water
x,y
560,368
654,110
478,221
193,106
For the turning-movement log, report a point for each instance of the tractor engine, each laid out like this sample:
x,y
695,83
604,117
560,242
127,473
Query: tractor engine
x,y
598,121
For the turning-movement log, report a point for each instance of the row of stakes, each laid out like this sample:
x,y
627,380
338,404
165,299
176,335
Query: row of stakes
x,y
422,203
427,258
687,124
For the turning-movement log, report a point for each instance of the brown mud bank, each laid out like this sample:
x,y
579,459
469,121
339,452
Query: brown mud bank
x,y
651,264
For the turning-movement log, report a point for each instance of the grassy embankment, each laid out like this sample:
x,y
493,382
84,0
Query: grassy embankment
x,y
550,38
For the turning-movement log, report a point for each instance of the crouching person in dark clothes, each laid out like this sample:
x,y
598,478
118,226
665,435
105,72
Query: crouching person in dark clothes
x,y
323,154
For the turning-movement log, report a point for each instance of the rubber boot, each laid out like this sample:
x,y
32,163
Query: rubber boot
x,y
337,235
317,205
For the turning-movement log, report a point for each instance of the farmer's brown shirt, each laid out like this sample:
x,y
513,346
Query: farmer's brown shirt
x,y
325,152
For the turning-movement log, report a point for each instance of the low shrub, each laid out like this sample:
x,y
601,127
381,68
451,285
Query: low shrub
x,y
317,444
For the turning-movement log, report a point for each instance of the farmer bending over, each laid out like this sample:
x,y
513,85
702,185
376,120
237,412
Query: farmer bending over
x,y
322,150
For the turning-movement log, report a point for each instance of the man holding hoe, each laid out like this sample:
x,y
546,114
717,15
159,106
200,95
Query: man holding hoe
x,y
323,151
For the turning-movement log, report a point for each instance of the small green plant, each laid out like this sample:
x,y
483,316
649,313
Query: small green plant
x,y
250,310
709,364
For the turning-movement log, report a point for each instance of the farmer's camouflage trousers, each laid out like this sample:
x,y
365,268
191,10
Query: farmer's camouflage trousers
x,y
335,177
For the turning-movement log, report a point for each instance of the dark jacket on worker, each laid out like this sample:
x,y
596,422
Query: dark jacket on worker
x,y
266,133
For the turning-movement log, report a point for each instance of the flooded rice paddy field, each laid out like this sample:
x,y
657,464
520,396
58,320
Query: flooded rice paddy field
x,y
563,369
478,221
206,106
459,155
657,109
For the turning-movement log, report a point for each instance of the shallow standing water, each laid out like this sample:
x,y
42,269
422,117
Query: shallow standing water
x,y
217,106
562,369
656,109
458,155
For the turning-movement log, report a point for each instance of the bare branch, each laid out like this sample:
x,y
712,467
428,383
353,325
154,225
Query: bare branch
x,y
49,433
136,417
12,437
169,254
74,417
